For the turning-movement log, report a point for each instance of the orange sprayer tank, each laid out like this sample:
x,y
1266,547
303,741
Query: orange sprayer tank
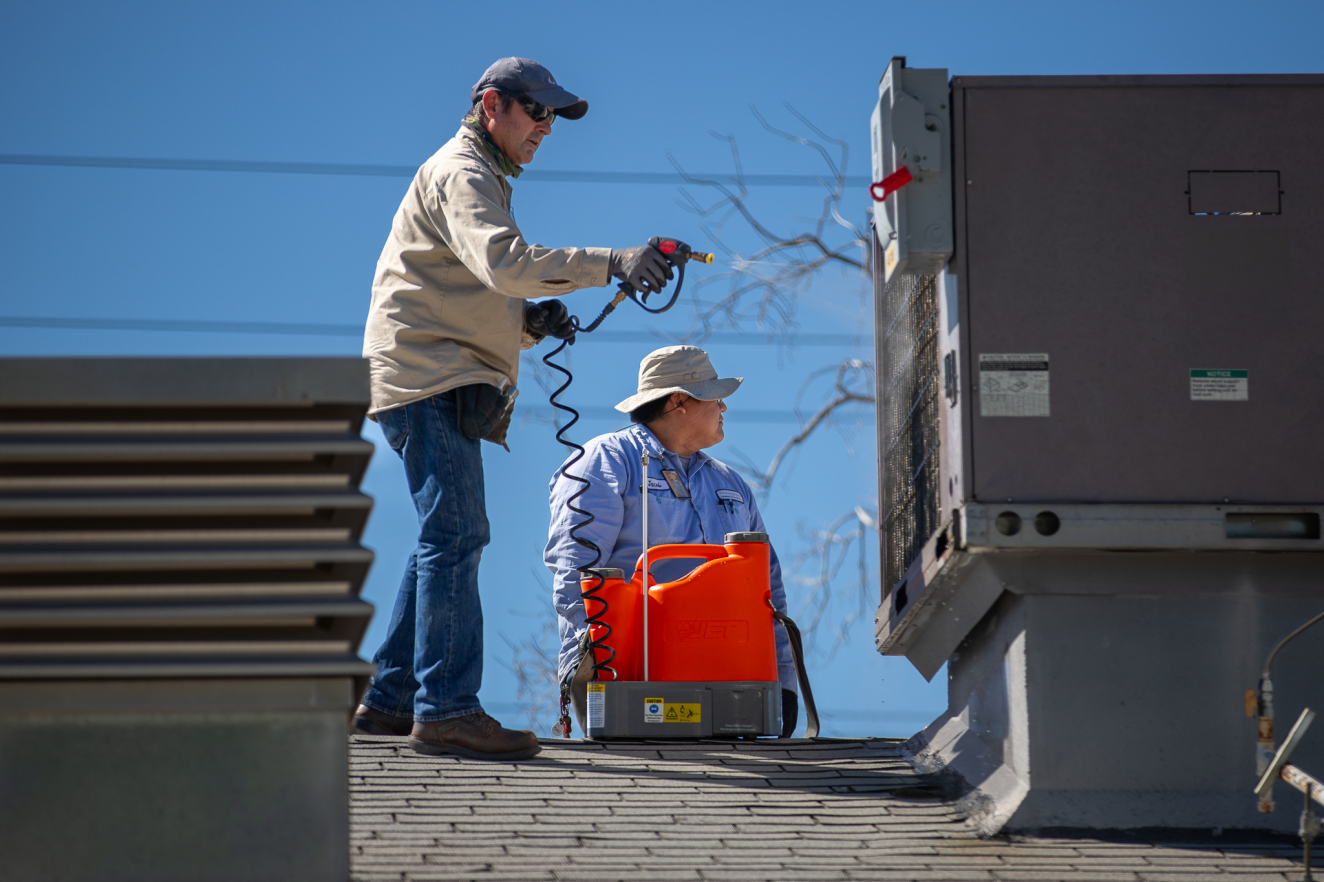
x,y
714,624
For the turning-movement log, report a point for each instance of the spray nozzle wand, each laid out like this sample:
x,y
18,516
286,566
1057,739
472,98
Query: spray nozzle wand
x,y
677,254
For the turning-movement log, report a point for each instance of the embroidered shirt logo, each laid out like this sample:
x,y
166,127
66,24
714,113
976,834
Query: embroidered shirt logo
x,y
732,495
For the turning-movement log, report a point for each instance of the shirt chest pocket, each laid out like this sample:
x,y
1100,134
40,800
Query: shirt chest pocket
x,y
732,506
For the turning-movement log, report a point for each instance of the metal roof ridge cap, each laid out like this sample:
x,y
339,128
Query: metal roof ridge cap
x,y
183,381
1149,80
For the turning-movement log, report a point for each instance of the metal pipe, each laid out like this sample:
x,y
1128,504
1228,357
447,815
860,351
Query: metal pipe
x,y
1304,782
1268,662
1310,824
1264,749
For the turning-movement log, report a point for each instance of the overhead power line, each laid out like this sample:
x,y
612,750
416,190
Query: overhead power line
x,y
400,171
329,330
543,413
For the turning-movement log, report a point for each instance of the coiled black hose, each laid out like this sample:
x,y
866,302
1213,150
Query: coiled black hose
x,y
590,593
595,581
627,290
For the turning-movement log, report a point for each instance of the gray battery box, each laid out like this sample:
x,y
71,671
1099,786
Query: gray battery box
x,y
634,709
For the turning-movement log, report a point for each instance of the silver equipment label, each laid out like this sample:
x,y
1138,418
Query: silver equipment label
x,y
597,705
1013,384
1219,384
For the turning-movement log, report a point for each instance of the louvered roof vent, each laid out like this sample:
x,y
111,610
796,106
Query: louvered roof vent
x,y
180,569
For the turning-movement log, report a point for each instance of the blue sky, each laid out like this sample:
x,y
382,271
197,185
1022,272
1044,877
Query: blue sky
x,y
386,83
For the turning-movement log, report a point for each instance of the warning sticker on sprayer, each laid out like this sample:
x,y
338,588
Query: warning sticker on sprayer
x,y
682,713
1013,384
1218,384
657,710
597,705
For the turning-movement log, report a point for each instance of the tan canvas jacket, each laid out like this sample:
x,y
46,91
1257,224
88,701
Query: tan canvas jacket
x,y
454,278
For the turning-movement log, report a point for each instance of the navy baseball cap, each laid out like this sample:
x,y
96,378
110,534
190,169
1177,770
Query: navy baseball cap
x,y
525,77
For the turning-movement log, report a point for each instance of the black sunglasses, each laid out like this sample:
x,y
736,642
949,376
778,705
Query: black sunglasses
x,y
537,112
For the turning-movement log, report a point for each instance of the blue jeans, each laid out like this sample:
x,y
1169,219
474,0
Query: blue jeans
x,y
431,663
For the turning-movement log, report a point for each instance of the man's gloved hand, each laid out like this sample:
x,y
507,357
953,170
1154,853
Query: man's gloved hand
x,y
644,267
550,318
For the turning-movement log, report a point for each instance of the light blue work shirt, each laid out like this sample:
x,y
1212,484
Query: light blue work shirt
x,y
720,502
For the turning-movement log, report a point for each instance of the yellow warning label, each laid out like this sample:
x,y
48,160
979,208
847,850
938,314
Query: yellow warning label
x,y
597,687
682,713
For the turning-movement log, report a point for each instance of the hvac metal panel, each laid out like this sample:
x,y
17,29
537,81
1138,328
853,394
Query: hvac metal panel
x,y
1135,230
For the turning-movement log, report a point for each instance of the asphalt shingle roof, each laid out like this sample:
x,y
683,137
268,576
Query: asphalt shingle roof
x,y
721,810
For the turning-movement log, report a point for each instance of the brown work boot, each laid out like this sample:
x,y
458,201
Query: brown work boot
x,y
370,721
474,735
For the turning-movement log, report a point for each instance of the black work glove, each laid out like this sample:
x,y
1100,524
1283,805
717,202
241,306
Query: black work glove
x,y
550,318
644,267
790,712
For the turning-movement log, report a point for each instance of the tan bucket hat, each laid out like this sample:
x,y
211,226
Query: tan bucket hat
x,y
678,369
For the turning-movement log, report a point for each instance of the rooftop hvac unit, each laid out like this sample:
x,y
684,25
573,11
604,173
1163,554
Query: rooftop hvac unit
x,y
1115,354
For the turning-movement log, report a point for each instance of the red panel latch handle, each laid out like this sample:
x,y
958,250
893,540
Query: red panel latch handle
x,y
890,184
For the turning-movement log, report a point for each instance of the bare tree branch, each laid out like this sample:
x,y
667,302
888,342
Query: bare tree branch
x,y
763,286
845,390
830,549
547,382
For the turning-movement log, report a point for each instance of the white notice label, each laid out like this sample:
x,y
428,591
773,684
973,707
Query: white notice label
x,y
653,708
1219,384
597,705
1013,384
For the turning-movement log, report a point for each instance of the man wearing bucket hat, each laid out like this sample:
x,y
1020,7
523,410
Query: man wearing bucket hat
x,y
452,306
676,414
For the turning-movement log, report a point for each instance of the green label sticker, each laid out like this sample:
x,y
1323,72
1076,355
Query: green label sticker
x,y
1220,384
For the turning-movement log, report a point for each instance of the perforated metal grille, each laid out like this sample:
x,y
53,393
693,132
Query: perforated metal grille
x,y
906,310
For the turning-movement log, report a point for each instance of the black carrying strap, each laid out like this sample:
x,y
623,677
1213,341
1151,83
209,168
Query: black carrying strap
x,y
578,684
798,654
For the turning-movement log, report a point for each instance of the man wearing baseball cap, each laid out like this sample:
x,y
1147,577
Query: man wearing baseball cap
x,y
693,498
454,300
